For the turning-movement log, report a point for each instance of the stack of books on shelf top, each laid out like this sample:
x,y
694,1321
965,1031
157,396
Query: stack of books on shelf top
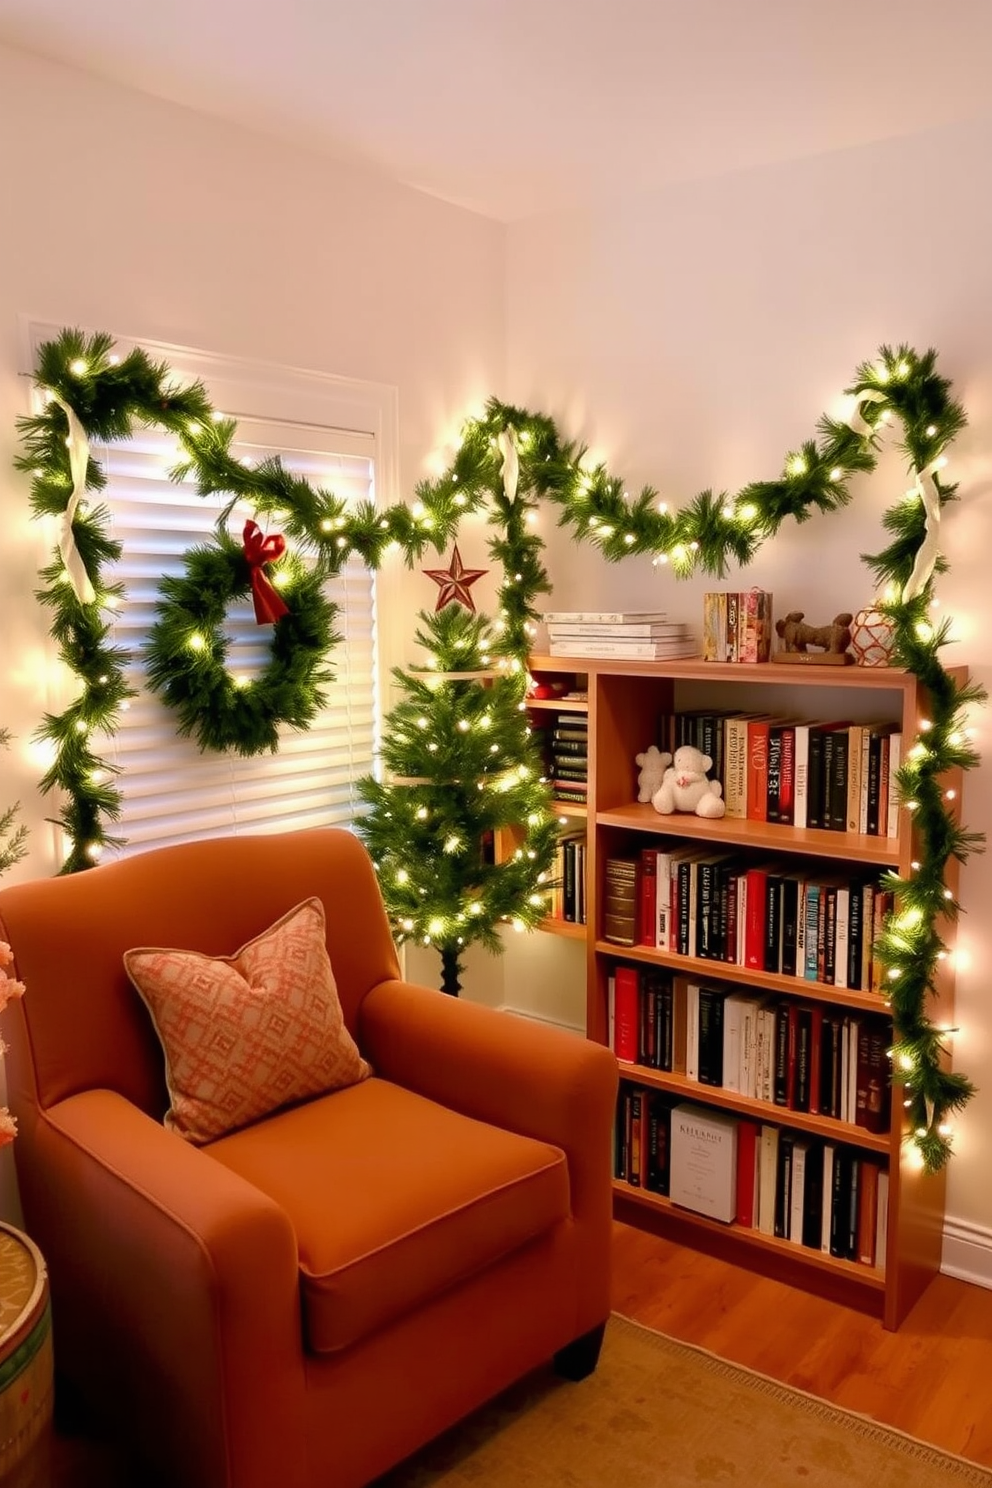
x,y
644,635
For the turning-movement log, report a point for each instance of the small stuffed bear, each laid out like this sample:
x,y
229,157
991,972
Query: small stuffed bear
x,y
685,786
653,764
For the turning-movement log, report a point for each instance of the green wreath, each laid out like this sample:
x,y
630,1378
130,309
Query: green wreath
x,y
506,463
187,650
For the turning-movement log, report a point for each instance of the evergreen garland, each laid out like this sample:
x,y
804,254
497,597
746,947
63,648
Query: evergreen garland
x,y
108,395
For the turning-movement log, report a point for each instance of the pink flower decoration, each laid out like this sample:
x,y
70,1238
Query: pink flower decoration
x,y
8,987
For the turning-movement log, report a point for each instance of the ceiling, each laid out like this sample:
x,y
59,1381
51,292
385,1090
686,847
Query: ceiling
x,y
514,107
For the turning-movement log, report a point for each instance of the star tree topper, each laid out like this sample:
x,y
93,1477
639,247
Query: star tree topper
x,y
455,581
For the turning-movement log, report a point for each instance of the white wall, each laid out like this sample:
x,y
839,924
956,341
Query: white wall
x,y
693,337
127,214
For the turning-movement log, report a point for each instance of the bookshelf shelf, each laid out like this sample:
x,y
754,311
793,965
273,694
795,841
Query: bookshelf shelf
x,y
558,705
634,704
882,852
711,1095
565,928
867,1279
743,976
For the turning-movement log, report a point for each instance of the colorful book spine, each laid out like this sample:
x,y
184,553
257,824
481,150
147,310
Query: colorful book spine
x,y
735,755
757,768
648,898
627,1013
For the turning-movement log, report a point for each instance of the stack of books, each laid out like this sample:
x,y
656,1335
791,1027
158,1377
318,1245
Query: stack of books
x,y
737,626
641,635
566,757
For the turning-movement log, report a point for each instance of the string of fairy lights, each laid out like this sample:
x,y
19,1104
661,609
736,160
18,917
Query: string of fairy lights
x,y
94,395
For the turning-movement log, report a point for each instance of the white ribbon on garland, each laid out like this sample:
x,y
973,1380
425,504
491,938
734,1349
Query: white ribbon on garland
x,y
856,422
511,462
79,456
926,553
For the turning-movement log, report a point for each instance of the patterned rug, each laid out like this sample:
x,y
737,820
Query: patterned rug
x,y
662,1414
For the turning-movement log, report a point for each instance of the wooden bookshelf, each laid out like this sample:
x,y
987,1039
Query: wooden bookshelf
x,y
626,700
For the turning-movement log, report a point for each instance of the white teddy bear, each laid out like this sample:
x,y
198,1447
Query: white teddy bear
x,y
685,786
653,764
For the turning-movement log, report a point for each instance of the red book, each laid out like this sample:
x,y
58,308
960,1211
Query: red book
x,y
648,915
747,1172
626,1025
787,776
757,768
755,895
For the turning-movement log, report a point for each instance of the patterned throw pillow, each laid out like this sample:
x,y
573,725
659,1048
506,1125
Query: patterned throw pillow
x,y
248,1033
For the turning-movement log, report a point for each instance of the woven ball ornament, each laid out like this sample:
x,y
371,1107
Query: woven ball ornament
x,y
872,637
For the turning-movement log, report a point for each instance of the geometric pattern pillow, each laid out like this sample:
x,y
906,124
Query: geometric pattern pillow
x,y
245,1034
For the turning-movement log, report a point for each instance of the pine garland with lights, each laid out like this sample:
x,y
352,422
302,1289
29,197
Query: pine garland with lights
x,y
461,767
107,395
715,529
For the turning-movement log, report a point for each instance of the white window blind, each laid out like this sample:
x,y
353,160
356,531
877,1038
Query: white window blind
x,y
171,791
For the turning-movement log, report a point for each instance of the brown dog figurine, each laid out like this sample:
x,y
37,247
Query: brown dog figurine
x,y
797,635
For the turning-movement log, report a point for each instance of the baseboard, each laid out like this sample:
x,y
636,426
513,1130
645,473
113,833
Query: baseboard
x,y
538,1018
967,1252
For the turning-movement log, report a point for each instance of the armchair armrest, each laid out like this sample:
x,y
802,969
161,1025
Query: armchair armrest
x,y
526,1077
191,1263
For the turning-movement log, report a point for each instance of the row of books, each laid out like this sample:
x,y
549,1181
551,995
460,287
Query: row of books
x,y
737,626
646,635
785,916
823,1195
564,744
567,901
798,1055
834,775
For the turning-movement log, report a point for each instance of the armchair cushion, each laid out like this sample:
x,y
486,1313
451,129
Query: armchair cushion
x,y
393,1199
244,1035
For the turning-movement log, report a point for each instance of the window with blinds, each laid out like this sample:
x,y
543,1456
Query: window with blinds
x,y
172,792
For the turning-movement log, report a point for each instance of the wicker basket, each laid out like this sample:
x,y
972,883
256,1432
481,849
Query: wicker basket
x,y
26,1367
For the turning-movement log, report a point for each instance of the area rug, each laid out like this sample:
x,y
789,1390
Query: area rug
x,y
662,1414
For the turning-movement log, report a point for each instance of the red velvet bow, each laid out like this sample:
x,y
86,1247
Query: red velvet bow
x,y
260,550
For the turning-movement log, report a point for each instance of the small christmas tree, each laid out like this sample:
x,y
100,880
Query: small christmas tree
x,y
463,772
13,837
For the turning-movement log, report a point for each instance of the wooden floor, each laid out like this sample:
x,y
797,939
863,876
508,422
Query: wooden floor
x,y
932,1379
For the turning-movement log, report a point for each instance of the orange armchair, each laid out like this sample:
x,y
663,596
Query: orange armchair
x,y
306,1300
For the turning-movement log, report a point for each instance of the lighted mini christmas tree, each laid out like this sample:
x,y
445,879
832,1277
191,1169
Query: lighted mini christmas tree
x,y
463,774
